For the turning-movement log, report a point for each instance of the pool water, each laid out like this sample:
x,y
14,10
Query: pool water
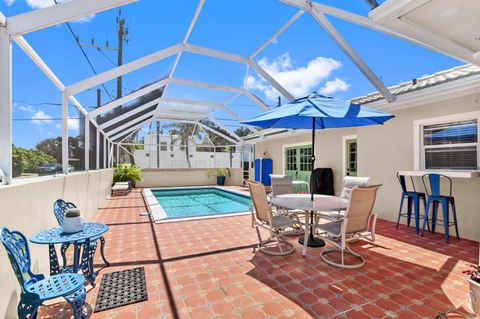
x,y
192,202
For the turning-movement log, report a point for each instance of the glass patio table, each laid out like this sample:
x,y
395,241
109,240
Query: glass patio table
x,y
320,203
81,260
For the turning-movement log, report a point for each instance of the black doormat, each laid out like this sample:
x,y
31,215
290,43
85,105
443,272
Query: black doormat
x,y
121,288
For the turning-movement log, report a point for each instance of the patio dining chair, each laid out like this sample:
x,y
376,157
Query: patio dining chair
x,y
60,208
349,182
281,185
275,224
36,288
358,223
435,198
413,201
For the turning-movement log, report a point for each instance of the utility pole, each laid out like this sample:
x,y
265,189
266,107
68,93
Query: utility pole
x,y
122,36
122,33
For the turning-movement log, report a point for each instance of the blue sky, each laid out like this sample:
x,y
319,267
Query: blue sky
x,y
303,58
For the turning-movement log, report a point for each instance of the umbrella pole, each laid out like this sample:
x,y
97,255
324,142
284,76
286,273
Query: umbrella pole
x,y
312,240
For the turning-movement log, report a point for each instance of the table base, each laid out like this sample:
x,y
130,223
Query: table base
x,y
312,241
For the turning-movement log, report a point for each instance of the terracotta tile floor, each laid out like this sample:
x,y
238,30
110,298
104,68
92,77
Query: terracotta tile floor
x,y
206,269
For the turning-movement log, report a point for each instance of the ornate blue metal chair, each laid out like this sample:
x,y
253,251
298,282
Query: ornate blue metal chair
x,y
413,201
37,288
435,198
60,207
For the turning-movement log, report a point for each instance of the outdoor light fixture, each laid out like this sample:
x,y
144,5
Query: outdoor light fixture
x,y
476,56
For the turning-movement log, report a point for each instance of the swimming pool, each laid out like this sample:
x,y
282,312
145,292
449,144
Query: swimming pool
x,y
203,201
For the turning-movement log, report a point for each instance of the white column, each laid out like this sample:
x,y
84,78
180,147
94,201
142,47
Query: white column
x,y
97,150
105,151
87,143
5,105
64,133
118,153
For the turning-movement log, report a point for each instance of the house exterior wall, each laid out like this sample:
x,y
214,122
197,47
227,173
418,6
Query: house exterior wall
x,y
382,152
328,150
27,207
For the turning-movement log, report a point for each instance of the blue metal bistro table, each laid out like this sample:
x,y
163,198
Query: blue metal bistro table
x,y
81,259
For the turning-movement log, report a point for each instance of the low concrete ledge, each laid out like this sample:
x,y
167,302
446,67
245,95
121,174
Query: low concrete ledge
x,y
153,205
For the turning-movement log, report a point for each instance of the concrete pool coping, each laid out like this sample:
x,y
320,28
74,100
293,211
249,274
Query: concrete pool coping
x,y
160,216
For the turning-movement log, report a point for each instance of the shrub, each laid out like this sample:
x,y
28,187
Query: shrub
x,y
127,173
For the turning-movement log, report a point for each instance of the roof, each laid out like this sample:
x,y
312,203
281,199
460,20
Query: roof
x,y
423,82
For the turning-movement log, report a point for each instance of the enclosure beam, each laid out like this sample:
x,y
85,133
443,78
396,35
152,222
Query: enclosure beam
x,y
6,106
64,133
97,150
220,124
87,143
130,113
257,101
105,151
127,98
142,118
215,53
122,70
60,13
130,130
277,34
271,80
364,22
185,39
206,85
228,138
352,54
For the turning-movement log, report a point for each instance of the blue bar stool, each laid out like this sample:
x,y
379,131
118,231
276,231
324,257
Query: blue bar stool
x,y
413,201
435,198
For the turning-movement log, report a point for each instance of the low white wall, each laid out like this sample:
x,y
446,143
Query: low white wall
x,y
154,177
26,206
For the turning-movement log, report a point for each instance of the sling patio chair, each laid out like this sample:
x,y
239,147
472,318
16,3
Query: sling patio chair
x,y
276,225
357,223
283,184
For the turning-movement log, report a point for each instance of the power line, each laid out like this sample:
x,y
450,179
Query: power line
x,y
85,55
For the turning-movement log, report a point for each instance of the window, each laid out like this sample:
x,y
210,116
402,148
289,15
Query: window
x,y
452,145
291,159
163,146
306,159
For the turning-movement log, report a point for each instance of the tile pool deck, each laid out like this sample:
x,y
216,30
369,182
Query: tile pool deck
x,y
206,269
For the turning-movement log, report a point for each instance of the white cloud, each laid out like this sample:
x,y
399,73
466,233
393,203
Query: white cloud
x,y
299,81
73,124
334,86
41,117
27,108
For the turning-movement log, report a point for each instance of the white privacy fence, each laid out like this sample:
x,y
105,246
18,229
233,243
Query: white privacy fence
x,y
179,156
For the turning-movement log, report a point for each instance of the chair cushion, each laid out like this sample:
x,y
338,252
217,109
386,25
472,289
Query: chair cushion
x,y
119,188
280,221
332,228
331,215
349,182
56,286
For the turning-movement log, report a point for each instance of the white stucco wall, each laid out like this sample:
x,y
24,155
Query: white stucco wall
x,y
153,177
27,207
382,152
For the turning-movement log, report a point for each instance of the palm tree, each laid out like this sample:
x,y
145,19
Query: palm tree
x,y
184,133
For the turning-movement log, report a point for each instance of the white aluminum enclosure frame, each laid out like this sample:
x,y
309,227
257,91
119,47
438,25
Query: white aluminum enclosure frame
x,y
13,28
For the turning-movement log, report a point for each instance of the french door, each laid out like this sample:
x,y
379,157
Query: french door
x,y
298,164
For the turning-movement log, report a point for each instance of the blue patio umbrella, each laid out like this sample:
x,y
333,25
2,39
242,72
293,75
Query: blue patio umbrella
x,y
318,112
